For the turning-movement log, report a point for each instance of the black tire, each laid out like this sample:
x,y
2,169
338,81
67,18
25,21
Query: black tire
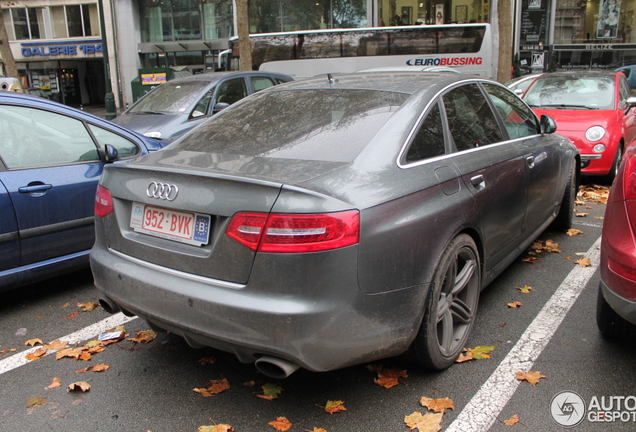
x,y
564,218
611,325
451,306
611,175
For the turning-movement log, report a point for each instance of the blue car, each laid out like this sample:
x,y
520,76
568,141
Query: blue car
x,y
630,72
51,158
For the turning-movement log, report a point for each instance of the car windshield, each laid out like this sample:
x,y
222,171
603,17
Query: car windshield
x,y
324,125
170,98
571,92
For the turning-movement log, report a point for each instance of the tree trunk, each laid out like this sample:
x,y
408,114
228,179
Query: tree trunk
x,y
5,50
243,25
504,17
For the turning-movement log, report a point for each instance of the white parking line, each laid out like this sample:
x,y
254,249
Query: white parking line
x,y
482,410
19,359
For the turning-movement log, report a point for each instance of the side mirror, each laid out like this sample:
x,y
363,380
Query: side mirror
x,y
631,102
547,124
518,91
108,154
220,107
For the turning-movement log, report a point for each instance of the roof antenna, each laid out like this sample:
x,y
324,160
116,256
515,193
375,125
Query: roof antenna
x,y
330,79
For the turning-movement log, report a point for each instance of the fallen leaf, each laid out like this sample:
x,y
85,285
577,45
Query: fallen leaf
x,y
579,202
530,260
334,406
424,423
525,289
552,246
74,353
207,360
79,386
583,262
483,351
144,336
71,316
317,430
202,391
66,305
582,214
599,217
38,353
8,350
532,377
573,232
280,424
270,391
439,405
100,367
56,345
33,342
55,383
216,428
86,307
38,400
513,420
218,386
515,304
387,377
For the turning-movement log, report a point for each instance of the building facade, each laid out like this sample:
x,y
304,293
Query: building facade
x,y
57,44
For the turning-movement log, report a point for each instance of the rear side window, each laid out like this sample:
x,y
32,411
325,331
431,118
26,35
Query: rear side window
x,y
470,119
260,83
231,91
429,140
323,125
125,148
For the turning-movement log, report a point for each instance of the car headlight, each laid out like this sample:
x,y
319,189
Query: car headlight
x,y
595,133
156,134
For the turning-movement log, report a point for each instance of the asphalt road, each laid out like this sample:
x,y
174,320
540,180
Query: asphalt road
x,y
149,386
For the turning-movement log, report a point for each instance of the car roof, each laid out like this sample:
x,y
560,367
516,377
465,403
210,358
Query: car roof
x,y
580,73
397,81
217,76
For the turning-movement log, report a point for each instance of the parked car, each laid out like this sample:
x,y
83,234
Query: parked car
x,y
333,221
594,109
36,91
520,84
179,105
630,73
51,158
616,304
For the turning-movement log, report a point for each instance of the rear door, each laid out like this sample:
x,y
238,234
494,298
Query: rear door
x,y
629,114
492,168
9,239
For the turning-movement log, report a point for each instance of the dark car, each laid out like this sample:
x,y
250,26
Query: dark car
x,y
595,109
179,105
616,305
51,158
334,221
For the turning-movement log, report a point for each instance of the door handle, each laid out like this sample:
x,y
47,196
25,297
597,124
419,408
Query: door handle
x,y
477,180
530,161
35,188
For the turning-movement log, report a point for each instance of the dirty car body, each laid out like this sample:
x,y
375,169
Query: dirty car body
x,y
335,221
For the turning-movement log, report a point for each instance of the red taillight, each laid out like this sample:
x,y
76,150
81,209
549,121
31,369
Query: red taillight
x,y
103,202
295,233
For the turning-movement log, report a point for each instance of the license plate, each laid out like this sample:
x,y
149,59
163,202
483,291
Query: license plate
x,y
184,227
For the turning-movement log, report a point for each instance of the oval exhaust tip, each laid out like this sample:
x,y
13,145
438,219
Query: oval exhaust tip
x,y
275,367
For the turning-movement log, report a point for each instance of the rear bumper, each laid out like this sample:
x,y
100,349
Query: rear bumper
x,y
320,324
622,306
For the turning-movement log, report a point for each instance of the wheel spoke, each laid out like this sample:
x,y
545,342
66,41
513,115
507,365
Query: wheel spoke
x,y
446,331
460,311
463,277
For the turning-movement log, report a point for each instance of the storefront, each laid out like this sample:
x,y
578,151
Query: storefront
x,y
576,34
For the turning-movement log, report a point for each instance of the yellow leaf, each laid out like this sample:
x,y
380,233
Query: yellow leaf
x,y
424,423
573,232
583,262
86,307
38,400
79,386
318,430
280,424
74,353
55,383
270,391
216,428
33,342
100,367
513,420
335,406
439,405
56,345
532,377
525,289
482,351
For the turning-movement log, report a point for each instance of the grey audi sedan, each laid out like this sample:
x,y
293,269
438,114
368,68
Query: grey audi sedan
x,y
333,221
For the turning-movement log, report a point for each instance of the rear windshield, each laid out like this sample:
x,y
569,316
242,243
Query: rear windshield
x,y
571,92
170,98
325,125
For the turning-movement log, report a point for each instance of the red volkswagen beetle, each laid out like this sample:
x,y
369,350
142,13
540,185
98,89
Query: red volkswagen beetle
x,y
616,306
595,109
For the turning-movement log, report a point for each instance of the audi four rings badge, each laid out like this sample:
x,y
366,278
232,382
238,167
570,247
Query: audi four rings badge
x,y
162,191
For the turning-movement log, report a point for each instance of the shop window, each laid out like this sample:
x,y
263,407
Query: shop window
x,y
20,23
